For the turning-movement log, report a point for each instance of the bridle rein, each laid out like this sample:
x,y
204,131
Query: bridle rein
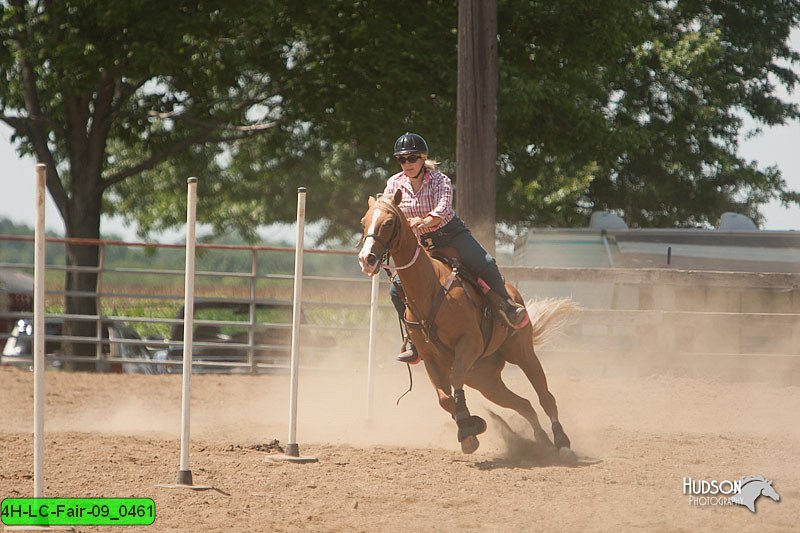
x,y
387,243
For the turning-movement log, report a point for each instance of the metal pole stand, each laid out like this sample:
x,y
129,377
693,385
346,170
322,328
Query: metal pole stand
x,y
292,453
184,478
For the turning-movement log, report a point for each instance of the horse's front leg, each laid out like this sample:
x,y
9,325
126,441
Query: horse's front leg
x,y
469,425
440,379
441,383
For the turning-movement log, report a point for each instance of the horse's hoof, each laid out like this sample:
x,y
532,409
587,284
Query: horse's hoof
x,y
470,444
560,438
567,456
469,427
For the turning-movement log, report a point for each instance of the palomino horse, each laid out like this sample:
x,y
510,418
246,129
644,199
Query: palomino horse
x,y
450,342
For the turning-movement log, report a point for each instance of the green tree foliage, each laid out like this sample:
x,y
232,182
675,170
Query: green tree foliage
x,y
557,66
358,74
635,107
614,104
676,113
101,91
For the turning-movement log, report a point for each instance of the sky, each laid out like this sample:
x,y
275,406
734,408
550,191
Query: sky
x,y
778,146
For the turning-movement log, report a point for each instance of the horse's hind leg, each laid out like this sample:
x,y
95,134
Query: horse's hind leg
x,y
486,378
523,355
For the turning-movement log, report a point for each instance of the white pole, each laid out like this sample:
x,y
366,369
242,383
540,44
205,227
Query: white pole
x,y
38,335
373,325
185,474
292,449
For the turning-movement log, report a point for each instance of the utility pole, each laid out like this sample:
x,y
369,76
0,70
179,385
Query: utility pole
x,y
476,137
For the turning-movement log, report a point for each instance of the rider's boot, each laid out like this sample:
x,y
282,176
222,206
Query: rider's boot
x,y
410,356
512,313
515,314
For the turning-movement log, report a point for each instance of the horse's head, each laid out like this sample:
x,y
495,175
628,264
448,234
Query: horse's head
x,y
381,225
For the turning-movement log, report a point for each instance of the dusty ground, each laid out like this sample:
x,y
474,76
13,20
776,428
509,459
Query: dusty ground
x,y
638,437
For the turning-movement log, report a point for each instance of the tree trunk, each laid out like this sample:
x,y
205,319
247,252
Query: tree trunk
x,y
83,221
476,146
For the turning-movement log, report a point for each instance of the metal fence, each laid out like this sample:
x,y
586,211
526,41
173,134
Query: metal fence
x,y
734,324
143,299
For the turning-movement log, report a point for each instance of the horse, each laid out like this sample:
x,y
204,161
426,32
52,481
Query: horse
x,y
751,488
449,338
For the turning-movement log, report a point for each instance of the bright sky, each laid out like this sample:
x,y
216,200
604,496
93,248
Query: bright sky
x,y
778,146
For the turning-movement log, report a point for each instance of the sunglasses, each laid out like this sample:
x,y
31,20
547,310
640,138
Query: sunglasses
x,y
411,159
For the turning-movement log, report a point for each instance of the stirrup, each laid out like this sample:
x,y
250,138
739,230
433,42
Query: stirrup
x,y
514,314
409,356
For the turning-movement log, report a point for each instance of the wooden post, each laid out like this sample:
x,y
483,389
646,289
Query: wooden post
x,y
476,138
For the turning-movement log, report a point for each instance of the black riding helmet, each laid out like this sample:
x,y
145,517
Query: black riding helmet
x,y
410,143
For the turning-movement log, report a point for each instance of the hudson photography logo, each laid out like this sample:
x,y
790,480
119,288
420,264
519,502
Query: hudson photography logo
x,y
744,491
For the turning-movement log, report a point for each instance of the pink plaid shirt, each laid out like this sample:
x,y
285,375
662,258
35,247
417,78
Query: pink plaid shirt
x,y
434,198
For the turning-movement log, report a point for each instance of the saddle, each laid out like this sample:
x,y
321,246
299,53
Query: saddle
x,y
490,301
460,273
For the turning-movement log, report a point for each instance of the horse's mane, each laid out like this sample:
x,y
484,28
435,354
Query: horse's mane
x,y
384,201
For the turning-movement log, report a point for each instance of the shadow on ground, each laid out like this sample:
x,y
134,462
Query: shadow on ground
x,y
523,452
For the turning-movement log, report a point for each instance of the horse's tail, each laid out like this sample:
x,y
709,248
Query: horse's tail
x,y
549,316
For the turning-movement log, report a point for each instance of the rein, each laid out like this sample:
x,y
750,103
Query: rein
x,y
387,244
426,323
413,260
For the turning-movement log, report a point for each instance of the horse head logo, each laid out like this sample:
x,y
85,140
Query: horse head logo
x,y
752,488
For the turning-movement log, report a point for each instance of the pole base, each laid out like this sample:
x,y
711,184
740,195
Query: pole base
x,y
184,477
184,481
292,459
193,487
292,455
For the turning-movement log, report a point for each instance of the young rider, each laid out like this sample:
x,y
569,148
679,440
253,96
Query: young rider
x,y
427,204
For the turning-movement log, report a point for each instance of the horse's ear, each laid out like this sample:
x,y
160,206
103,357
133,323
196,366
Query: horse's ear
x,y
398,196
371,201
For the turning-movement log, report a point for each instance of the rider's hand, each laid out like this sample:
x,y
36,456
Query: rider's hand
x,y
416,223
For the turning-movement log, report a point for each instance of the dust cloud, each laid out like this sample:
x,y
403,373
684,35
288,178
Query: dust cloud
x,y
733,334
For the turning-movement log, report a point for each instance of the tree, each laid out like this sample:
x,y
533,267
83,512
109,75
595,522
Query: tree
x,y
636,108
615,104
362,73
682,98
622,105
103,91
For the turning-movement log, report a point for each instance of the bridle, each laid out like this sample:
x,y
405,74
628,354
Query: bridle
x,y
387,243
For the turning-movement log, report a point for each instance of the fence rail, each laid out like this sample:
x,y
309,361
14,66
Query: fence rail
x,y
656,276
668,317
253,290
738,325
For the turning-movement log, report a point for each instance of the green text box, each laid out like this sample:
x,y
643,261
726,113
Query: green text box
x,y
77,511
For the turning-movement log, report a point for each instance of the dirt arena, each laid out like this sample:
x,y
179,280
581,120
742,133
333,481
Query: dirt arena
x,y
637,437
